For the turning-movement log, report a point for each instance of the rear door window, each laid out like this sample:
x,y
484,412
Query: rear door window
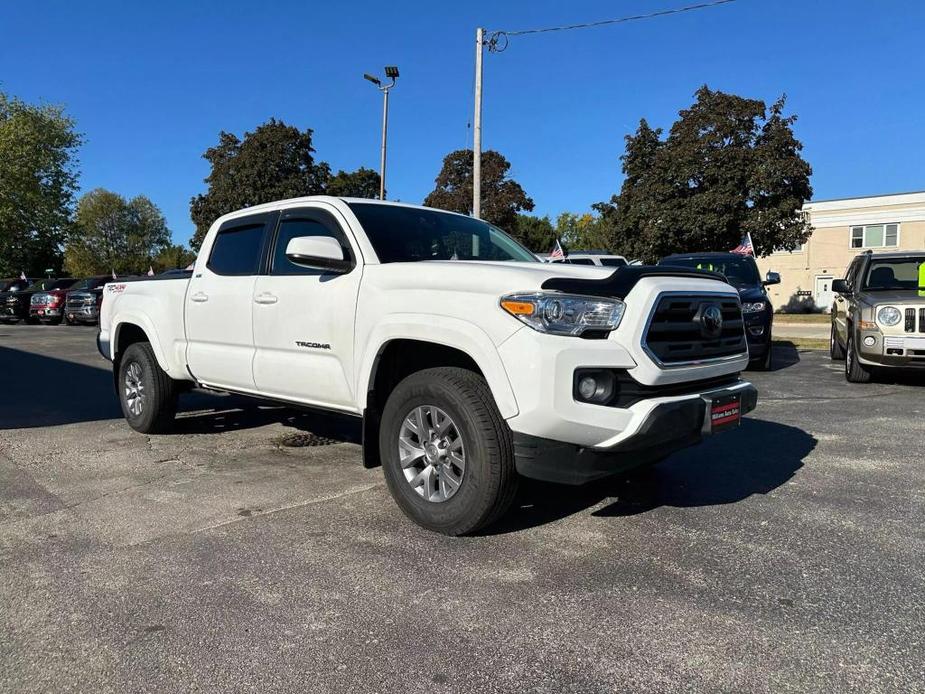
x,y
238,247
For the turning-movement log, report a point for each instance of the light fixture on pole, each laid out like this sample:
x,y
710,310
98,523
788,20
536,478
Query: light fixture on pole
x,y
391,72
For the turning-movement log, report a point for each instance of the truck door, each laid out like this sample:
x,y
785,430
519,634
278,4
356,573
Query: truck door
x,y
219,326
304,318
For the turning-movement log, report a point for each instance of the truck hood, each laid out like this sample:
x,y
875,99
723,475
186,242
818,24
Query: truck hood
x,y
478,276
506,277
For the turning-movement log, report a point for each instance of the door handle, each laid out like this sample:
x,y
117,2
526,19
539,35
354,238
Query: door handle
x,y
265,298
199,297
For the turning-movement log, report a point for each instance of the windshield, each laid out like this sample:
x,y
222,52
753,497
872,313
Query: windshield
x,y
895,273
409,234
741,272
45,285
88,283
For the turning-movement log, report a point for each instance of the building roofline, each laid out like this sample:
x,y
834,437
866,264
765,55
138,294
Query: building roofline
x,y
865,197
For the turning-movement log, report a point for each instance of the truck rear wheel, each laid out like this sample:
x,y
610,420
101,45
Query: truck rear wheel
x,y
447,453
836,351
147,394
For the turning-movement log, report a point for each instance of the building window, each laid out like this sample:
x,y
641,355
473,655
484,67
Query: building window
x,y
875,236
799,249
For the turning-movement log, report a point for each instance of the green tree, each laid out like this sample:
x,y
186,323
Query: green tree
x,y
114,234
273,162
536,233
502,197
729,165
173,256
362,183
38,183
583,232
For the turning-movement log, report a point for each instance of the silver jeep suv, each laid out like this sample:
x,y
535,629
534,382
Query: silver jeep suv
x,y
878,318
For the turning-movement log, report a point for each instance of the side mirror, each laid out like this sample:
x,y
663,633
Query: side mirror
x,y
771,278
319,252
841,287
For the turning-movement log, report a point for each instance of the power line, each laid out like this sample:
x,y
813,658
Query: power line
x,y
497,40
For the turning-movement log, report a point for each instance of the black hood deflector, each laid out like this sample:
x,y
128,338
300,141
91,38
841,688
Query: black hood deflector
x,y
623,279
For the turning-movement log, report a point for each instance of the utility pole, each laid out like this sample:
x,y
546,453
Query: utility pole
x,y
477,128
392,73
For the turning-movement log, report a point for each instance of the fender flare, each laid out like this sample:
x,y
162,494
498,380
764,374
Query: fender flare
x,y
455,333
143,322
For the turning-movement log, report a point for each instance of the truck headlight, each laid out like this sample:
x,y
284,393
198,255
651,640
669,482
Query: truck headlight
x,y
889,315
564,314
753,307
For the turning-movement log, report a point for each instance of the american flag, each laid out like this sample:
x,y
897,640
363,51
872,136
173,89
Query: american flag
x,y
558,252
745,246
22,275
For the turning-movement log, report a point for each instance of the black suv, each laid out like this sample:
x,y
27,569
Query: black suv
x,y
741,271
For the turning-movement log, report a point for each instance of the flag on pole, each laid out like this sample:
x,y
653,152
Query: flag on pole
x,y
150,271
558,252
22,275
745,246
114,274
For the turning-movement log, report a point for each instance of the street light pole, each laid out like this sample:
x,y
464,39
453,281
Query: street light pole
x,y
385,129
392,73
477,128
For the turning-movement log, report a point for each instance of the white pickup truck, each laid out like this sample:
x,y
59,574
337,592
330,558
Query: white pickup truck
x,y
471,362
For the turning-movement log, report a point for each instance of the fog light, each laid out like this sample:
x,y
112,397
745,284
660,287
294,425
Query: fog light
x,y
594,386
587,386
757,330
870,340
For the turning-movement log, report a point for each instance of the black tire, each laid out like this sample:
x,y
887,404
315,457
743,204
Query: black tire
x,y
762,363
855,372
489,481
160,392
836,351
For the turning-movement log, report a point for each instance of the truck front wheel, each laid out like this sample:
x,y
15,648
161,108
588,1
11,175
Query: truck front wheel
x,y
447,453
147,394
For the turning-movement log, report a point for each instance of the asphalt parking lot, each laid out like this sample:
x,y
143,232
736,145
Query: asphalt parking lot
x,y
788,555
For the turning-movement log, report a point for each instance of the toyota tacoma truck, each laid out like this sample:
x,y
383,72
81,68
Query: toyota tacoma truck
x,y
470,362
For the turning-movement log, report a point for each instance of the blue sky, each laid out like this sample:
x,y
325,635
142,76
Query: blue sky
x,y
152,84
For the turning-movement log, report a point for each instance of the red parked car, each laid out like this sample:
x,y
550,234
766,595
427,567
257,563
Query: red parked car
x,y
49,306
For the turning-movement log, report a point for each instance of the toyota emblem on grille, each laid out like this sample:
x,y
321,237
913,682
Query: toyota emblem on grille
x,y
711,321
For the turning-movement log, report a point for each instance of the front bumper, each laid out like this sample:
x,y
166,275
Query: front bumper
x,y
43,312
83,314
896,351
667,426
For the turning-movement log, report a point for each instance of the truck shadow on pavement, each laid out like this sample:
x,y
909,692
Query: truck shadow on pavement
x,y
43,391
757,458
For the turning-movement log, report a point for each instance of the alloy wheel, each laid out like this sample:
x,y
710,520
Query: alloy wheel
x,y
432,453
134,389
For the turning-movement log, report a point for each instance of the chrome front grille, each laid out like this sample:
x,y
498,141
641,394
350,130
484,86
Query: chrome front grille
x,y
681,329
80,300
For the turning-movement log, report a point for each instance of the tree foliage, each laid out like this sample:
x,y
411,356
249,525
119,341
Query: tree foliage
x,y
362,183
536,233
38,183
173,256
273,162
502,197
729,165
583,232
111,233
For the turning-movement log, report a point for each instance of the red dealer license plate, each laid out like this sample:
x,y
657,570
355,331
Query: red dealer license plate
x,y
725,412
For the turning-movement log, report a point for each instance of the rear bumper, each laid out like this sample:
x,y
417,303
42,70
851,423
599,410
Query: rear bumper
x,y
667,427
102,345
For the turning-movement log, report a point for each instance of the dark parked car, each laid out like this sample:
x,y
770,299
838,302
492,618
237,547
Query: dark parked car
x,y
741,272
83,301
15,305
